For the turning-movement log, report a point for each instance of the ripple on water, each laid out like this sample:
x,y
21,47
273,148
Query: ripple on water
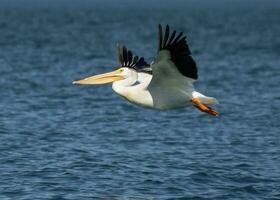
x,y
60,141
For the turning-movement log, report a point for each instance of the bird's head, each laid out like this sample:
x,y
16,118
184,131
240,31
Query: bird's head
x,y
123,73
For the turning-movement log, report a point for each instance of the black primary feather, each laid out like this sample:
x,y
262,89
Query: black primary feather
x,y
126,59
159,36
179,50
124,55
129,57
135,59
166,35
171,38
178,37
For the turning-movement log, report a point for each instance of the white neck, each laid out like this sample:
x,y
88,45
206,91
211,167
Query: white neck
x,y
125,83
133,93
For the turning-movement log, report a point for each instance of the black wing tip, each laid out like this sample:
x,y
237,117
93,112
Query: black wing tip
x,y
127,59
167,27
176,44
166,40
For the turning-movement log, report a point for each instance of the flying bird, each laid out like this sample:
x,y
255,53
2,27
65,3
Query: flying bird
x,y
166,83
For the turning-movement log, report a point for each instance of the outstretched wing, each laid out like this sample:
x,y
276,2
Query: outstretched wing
x,y
127,59
179,51
174,70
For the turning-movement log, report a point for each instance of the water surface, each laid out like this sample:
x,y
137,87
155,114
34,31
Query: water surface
x,y
60,141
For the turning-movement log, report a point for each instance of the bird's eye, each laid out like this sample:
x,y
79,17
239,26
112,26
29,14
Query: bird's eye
x,y
121,70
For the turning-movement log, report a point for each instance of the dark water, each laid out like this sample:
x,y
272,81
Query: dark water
x,y
60,141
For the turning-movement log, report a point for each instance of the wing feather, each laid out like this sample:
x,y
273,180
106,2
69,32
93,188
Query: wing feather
x,y
159,36
127,59
166,35
171,38
179,51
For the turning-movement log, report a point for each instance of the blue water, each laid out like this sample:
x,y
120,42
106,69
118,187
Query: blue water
x,y
60,141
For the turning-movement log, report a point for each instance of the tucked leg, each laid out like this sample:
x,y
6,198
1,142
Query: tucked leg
x,y
204,108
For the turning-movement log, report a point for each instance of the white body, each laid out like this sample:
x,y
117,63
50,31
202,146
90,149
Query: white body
x,y
137,89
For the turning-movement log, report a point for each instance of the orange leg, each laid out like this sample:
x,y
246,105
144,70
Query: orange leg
x,y
204,108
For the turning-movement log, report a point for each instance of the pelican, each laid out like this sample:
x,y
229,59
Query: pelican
x,y
164,84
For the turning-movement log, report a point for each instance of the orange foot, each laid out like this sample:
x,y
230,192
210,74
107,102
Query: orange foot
x,y
204,108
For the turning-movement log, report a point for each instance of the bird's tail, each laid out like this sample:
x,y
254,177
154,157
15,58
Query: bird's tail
x,y
204,99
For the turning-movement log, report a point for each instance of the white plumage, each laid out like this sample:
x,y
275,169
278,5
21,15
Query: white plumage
x,y
166,83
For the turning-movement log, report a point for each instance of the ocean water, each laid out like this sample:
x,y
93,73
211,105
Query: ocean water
x,y
61,141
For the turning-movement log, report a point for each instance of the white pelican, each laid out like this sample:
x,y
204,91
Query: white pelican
x,y
166,83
